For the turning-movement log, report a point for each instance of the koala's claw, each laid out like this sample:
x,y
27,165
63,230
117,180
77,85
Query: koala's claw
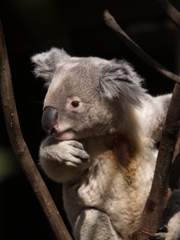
x,y
152,238
161,233
157,237
163,229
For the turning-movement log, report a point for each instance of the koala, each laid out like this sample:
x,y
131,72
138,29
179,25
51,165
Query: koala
x,y
102,133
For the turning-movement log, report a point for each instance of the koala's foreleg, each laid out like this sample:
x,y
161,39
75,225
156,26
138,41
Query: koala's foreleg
x,y
62,160
93,224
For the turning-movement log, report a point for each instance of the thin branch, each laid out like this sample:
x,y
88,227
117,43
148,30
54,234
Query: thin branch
x,y
157,200
20,148
170,11
174,172
110,21
175,167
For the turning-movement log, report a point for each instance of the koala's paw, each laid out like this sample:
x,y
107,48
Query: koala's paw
x,y
161,234
70,152
73,153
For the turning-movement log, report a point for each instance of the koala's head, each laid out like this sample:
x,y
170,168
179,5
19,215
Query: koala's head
x,y
86,96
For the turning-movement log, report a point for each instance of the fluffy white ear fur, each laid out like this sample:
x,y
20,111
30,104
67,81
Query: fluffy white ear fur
x,y
46,63
119,79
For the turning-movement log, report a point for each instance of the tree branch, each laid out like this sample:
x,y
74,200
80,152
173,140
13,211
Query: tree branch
x,y
175,167
20,148
157,200
170,11
110,21
174,172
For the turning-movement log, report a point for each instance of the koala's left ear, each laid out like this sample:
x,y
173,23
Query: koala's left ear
x,y
46,63
119,79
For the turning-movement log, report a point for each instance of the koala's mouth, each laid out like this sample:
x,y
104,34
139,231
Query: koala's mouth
x,y
65,135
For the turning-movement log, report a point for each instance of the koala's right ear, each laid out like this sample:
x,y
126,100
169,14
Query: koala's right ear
x,y
46,63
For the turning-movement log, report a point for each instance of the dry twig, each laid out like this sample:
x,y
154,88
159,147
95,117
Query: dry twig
x,y
20,148
110,21
170,11
175,167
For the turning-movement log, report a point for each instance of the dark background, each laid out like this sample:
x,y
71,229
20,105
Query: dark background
x,y
32,26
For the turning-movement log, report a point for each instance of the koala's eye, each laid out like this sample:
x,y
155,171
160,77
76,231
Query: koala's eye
x,y
75,104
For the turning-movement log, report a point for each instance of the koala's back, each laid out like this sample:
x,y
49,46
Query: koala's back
x,y
115,186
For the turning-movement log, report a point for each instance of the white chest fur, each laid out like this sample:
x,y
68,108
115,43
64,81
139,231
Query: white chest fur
x,y
116,185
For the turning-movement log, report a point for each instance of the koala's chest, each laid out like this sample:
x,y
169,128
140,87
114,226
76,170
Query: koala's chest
x,y
113,183
117,155
111,180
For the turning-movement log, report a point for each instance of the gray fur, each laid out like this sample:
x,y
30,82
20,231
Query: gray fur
x,y
120,79
46,63
103,150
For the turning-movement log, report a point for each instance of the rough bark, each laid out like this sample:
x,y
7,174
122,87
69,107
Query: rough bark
x,y
163,177
157,200
20,148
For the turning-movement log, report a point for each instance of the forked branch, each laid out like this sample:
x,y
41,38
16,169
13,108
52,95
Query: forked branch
x,y
110,21
20,148
157,200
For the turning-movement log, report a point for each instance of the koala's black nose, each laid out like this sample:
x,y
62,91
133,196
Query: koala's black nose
x,y
49,119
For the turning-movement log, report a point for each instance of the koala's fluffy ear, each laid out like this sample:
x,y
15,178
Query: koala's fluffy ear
x,y
119,79
46,63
